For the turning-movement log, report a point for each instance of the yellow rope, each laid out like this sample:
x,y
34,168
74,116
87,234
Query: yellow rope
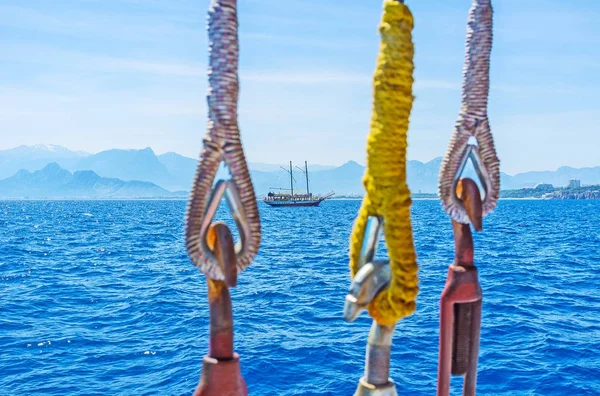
x,y
387,193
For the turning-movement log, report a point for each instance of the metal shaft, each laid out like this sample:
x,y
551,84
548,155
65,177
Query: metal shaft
x,y
221,375
460,303
379,349
377,381
221,320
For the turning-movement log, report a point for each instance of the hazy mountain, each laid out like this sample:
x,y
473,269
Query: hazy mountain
x,y
173,171
36,157
259,166
558,178
55,182
129,165
182,169
347,178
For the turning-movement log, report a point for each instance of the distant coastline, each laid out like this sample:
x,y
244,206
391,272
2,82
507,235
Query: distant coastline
x,y
181,198
538,193
143,174
549,192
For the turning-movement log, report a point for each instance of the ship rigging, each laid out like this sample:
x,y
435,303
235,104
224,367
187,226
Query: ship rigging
x,y
290,199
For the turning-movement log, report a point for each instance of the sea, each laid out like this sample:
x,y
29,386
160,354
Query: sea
x,y
100,298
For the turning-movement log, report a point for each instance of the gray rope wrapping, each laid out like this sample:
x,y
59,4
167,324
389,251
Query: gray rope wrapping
x,y
222,141
473,118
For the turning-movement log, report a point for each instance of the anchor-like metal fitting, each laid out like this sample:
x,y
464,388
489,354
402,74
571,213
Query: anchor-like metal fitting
x,y
372,277
221,375
460,303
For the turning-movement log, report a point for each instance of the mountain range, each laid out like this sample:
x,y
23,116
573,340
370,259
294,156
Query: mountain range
x,y
52,181
124,170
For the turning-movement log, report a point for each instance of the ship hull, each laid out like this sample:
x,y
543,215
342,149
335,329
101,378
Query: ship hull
x,y
275,204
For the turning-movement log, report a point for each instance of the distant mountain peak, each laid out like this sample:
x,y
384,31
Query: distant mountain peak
x,y
351,163
48,147
21,173
52,166
53,149
171,154
86,174
435,161
54,181
567,169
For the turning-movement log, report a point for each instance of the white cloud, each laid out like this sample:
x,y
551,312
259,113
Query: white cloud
x,y
156,27
295,77
334,77
24,53
436,84
145,66
287,40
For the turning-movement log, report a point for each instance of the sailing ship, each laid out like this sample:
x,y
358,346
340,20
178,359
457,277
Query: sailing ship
x,y
291,199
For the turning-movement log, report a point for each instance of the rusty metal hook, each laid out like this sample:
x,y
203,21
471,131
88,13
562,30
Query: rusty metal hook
x,y
221,373
460,302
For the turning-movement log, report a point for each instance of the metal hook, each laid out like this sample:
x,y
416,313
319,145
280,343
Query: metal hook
x,y
222,145
372,277
471,152
227,188
460,302
221,373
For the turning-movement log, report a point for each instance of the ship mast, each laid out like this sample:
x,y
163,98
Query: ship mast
x,y
291,180
305,171
306,174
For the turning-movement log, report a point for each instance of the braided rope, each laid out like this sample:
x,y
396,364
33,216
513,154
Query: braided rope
x,y
387,193
473,118
222,141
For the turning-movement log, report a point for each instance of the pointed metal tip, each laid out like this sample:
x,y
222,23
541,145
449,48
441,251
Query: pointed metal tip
x,y
351,308
469,194
220,240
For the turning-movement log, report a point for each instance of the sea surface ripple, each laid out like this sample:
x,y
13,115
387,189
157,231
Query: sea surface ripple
x,y
99,297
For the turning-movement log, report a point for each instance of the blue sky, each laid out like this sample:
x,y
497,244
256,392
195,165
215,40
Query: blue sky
x,y
99,74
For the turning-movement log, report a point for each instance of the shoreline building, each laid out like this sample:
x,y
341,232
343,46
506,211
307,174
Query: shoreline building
x,y
574,183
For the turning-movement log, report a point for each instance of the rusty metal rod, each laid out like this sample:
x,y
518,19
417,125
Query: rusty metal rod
x,y
460,303
221,374
221,243
470,382
469,194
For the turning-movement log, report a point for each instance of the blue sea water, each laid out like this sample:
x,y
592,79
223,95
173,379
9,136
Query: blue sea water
x,y
99,297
